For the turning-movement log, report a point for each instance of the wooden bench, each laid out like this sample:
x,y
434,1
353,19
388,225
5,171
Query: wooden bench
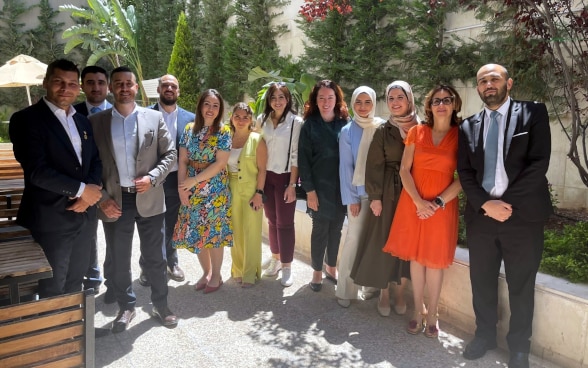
x,y
9,167
52,332
9,204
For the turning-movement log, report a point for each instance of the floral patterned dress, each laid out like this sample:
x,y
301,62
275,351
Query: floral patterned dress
x,y
206,221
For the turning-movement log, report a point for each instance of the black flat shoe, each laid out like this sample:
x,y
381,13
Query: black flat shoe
x,y
477,348
330,278
315,287
518,360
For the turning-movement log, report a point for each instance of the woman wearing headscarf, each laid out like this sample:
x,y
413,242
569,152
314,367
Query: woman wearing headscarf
x,y
354,144
372,267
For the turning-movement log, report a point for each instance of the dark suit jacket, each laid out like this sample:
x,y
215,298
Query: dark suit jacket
x,y
184,117
51,168
82,108
155,156
527,149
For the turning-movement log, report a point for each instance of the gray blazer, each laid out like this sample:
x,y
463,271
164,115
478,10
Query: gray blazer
x,y
155,157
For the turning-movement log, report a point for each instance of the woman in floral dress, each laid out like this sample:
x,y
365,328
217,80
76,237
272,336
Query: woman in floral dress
x,y
204,221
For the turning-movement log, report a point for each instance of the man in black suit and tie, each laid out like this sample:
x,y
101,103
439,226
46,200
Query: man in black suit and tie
x,y
95,87
503,157
62,169
176,119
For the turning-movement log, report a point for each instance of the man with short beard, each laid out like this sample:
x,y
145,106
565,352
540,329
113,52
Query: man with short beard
x,y
503,158
176,119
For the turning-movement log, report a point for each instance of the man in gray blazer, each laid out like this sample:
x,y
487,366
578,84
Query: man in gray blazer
x,y
138,152
176,119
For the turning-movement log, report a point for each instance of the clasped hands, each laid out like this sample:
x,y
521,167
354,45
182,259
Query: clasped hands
x,y
497,209
425,209
185,189
90,196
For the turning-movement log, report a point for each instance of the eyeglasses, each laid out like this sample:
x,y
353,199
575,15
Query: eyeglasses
x,y
445,101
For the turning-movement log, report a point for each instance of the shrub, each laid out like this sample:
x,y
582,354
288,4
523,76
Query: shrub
x,y
566,252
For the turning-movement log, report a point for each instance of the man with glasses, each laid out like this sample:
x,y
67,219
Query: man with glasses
x,y
503,157
176,119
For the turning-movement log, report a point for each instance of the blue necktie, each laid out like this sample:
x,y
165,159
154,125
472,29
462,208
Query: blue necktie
x,y
491,153
95,109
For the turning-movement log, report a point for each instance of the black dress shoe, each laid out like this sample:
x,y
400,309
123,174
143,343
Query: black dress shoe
x,y
143,280
315,286
477,348
518,360
176,273
165,316
123,319
109,297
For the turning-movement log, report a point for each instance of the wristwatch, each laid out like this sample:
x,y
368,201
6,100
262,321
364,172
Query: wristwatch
x,y
293,185
153,181
439,202
259,191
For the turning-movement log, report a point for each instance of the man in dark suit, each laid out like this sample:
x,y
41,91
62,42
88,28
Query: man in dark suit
x,y
95,87
503,157
55,147
176,119
137,152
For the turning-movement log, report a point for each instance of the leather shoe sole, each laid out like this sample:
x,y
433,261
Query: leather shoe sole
x,y
165,317
477,348
123,320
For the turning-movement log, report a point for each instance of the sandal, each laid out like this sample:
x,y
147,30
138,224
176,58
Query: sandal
x,y
431,331
414,326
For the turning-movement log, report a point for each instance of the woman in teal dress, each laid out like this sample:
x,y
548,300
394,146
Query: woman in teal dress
x,y
204,221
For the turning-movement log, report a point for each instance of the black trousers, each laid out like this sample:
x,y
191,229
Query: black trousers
x,y
172,207
324,241
520,245
119,243
69,257
92,278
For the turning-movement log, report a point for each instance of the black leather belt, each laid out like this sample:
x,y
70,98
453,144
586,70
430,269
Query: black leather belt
x,y
128,189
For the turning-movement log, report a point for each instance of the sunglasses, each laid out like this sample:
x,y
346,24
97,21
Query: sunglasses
x,y
445,101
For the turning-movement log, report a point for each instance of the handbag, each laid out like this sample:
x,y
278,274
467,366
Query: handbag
x,y
300,192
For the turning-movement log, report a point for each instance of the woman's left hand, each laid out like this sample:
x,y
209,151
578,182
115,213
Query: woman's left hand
x,y
189,183
290,194
256,202
425,209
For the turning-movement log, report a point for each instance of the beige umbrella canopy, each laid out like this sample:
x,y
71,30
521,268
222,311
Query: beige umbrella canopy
x,y
22,71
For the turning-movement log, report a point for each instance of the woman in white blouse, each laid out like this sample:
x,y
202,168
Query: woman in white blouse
x,y
280,128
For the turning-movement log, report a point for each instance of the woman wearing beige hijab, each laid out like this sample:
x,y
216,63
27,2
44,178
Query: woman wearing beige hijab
x,y
372,267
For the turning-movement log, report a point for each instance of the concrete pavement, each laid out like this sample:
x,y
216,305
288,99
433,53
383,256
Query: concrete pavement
x,y
272,326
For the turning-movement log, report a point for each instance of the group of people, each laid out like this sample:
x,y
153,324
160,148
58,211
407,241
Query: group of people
x,y
190,181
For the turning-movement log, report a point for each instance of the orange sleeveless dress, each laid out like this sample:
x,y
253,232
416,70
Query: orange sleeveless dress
x,y
430,242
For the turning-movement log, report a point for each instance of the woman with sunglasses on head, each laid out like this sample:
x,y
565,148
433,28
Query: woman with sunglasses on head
x,y
424,229
246,168
280,128
325,114
372,268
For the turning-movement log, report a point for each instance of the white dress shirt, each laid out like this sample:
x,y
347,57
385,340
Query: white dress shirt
x,y
126,144
171,121
68,123
278,141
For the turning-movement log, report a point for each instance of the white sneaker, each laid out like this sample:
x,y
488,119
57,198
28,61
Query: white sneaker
x,y
287,279
273,268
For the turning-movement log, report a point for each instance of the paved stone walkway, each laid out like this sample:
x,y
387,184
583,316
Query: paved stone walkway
x,y
272,326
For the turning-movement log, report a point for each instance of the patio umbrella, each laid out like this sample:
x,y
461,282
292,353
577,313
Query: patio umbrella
x,y
22,71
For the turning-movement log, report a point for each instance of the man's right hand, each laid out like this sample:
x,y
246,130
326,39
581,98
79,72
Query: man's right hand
x,y
91,194
110,208
497,209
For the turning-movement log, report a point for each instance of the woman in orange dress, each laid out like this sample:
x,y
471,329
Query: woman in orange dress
x,y
424,229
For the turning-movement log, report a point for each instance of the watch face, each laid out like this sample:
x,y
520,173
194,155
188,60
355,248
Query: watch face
x,y
438,202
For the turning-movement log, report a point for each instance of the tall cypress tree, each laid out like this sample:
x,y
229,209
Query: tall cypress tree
x,y
209,38
183,64
45,38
